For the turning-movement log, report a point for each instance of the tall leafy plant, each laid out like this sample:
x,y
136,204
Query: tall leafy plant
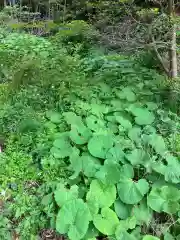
x,y
124,173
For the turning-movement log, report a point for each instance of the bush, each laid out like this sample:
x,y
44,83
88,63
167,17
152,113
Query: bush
x,y
74,34
77,32
148,60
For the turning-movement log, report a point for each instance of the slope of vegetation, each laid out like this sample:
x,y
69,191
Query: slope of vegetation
x,y
90,149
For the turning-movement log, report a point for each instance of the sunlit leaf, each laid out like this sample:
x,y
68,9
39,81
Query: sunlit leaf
x,y
99,145
73,219
63,195
164,199
104,194
106,222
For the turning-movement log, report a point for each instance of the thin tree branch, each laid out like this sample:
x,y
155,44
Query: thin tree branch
x,y
158,55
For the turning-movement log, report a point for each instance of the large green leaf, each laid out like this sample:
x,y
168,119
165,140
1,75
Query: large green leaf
x,y
124,143
99,109
122,210
136,157
127,172
92,233
93,205
122,234
134,134
137,233
72,119
104,194
172,170
121,231
151,105
79,135
94,123
164,199
106,222
142,213
63,195
127,94
117,105
99,145
142,115
116,154
150,237
125,123
168,236
129,223
55,117
86,164
148,129
157,142
109,173
62,147
129,191
113,127
73,219
57,153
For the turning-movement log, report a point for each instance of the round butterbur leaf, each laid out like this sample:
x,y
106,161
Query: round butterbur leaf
x,y
136,157
55,117
57,153
172,171
109,173
121,232
158,143
127,94
142,116
62,147
152,106
92,233
104,194
63,195
93,206
115,154
86,164
134,134
99,145
150,237
127,172
79,135
143,213
125,123
164,199
122,210
106,222
73,219
94,123
72,119
131,192
112,127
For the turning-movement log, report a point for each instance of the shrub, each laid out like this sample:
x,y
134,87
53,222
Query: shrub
x,y
148,60
76,32
117,147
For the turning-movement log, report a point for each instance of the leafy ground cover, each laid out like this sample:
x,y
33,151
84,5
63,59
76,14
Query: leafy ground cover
x,y
89,149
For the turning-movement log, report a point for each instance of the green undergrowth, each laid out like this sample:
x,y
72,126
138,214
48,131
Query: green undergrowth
x,y
90,150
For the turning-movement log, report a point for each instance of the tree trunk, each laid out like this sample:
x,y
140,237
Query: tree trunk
x,y
64,11
173,72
